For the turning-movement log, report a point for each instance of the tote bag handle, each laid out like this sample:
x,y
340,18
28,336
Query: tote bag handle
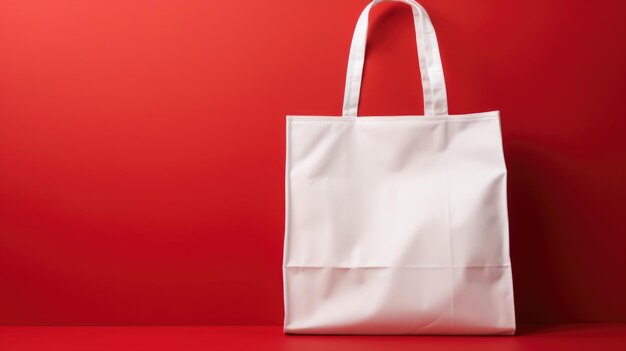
x,y
435,98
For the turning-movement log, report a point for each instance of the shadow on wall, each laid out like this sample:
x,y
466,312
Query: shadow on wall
x,y
564,245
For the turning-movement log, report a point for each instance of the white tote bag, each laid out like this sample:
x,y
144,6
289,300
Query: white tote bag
x,y
397,224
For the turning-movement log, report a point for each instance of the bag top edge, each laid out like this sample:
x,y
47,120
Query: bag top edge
x,y
478,115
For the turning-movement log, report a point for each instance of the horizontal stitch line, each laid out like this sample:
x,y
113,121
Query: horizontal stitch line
x,y
391,119
437,267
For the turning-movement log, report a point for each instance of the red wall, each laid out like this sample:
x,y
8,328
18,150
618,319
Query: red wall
x,y
142,146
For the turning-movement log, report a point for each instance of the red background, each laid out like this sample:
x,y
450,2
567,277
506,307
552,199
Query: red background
x,y
142,147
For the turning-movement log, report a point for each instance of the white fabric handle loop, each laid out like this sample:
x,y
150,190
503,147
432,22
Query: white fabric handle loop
x,y
435,98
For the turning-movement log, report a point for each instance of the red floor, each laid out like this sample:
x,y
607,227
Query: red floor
x,y
536,337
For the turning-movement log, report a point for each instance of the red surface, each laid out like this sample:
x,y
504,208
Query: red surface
x,y
540,337
142,146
